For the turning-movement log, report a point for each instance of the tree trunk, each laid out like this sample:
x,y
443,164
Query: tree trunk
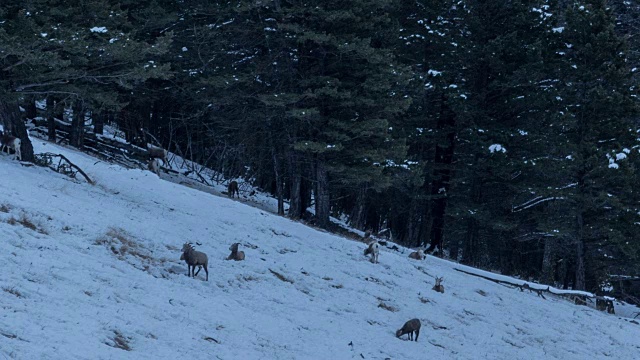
x,y
357,218
12,123
442,175
323,205
77,126
469,255
580,283
51,122
30,110
279,182
547,260
295,196
98,122
413,224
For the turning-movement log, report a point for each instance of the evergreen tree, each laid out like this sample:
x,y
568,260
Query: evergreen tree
x,y
596,124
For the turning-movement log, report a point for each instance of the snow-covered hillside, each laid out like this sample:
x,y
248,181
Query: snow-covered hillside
x,y
93,272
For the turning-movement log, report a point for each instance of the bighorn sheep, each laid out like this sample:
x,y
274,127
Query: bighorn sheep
x,y
374,250
194,258
235,254
410,327
418,255
10,142
158,153
233,188
438,286
154,166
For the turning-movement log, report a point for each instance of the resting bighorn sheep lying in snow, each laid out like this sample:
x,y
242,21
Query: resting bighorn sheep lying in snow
x,y
194,258
374,250
10,142
438,286
235,254
233,188
158,153
410,327
418,255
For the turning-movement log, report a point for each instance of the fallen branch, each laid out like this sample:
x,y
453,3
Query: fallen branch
x,y
64,166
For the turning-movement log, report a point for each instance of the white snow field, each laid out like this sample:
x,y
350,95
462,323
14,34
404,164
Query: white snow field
x,y
93,272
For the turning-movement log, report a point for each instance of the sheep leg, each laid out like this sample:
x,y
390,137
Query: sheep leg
x,y
206,271
410,335
199,268
417,334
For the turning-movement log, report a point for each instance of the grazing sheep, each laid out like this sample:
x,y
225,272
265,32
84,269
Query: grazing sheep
x,y
10,142
233,188
438,286
374,250
410,327
158,153
235,254
418,255
194,258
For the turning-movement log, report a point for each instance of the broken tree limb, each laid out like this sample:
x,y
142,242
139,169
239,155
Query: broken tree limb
x,y
64,166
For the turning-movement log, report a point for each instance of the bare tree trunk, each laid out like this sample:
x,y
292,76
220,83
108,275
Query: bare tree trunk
x,y
580,266
98,122
51,122
12,123
547,260
443,159
470,253
323,204
357,218
30,110
279,182
295,197
77,125
413,225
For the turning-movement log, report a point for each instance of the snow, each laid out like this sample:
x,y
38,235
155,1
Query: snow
x,y
497,148
104,260
98,29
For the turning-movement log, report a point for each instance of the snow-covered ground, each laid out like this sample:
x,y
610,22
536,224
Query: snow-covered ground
x,y
93,272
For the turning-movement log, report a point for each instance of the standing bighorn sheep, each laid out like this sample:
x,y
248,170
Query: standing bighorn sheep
x,y
418,255
235,254
410,327
374,250
233,188
158,153
10,142
154,166
194,258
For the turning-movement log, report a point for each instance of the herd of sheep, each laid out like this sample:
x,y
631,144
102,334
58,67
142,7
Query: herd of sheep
x,y
199,259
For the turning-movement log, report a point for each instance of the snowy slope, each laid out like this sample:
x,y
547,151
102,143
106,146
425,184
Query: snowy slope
x,y
96,269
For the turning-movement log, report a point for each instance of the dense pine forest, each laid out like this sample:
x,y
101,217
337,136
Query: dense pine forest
x,y
502,134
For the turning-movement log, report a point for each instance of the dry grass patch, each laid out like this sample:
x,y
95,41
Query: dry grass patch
x,y
383,305
121,243
120,341
25,221
5,208
13,291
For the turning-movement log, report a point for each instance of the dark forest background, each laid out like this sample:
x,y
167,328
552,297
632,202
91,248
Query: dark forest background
x,y
502,134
